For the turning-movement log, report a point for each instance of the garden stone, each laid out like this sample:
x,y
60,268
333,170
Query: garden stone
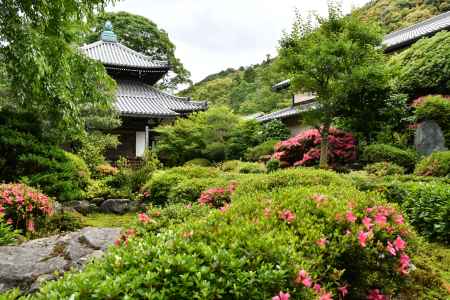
x,y
116,206
28,265
429,138
83,207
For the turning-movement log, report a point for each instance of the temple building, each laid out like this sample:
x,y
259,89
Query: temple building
x,y
140,105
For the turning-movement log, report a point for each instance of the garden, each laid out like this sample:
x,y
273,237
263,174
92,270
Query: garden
x,y
225,207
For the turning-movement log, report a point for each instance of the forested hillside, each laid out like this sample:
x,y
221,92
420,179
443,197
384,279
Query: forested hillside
x,y
248,90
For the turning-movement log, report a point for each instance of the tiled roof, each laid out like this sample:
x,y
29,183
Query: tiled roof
x,y
409,35
281,85
287,112
116,54
135,98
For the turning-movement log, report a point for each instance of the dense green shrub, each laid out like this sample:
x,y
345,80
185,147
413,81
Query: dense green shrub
x,y
425,203
7,234
406,158
437,164
264,149
273,165
384,168
201,162
435,108
237,166
160,185
189,190
276,236
276,130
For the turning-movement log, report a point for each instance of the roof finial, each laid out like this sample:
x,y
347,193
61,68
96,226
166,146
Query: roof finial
x,y
108,35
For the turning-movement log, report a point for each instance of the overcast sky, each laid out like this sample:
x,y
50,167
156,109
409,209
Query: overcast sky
x,y
212,35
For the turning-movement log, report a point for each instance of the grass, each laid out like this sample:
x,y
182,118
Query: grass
x,y
108,220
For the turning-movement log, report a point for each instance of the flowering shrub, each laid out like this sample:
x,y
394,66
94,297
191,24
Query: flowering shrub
x,y
291,234
218,197
304,149
23,207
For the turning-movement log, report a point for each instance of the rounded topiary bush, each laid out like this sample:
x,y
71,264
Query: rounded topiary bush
x,y
384,169
375,153
320,239
201,162
437,164
262,150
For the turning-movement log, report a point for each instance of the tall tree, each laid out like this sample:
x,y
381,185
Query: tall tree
x,y
341,61
44,71
142,35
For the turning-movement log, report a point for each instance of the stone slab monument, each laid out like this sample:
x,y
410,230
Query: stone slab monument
x,y
429,138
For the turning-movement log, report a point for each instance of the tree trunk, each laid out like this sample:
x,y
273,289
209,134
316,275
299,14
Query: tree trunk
x,y
324,147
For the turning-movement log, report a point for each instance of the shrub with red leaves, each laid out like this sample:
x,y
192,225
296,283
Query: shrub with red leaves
x,y
23,207
304,149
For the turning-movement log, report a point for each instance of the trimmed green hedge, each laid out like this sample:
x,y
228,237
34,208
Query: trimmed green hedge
x,y
381,152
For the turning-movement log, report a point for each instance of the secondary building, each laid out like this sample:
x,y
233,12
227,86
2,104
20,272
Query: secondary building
x,y
141,106
392,43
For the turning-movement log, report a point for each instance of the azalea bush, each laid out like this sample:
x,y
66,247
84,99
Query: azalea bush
x,y
300,234
384,168
218,197
304,149
23,207
436,164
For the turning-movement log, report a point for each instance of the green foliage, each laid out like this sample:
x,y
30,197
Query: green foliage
x,y
65,221
263,149
375,153
245,91
273,165
423,68
7,234
201,162
435,108
216,135
395,14
256,251
276,130
143,36
437,164
56,83
342,62
93,146
384,169
109,220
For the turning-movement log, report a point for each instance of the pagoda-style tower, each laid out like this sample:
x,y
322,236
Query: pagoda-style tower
x,y
140,105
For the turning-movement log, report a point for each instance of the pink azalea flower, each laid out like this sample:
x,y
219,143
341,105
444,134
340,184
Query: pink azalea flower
x,y
350,217
281,296
362,238
389,229
267,212
343,290
367,222
399,244
2,209
369,210
288,216
348,232
317,288
319,199
326,296
380,219
30,226
9,221
375,294
390,248
117,242
189,206
404,264
322,242
225,207
398,219
144,218
303,278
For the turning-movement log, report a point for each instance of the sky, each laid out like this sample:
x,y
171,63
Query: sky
x,y
213,35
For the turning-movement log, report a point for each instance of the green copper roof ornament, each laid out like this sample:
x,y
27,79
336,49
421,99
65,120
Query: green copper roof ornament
x,y
108,35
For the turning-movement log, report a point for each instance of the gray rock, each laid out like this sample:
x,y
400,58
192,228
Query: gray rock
x,y
429,138
28,265
116,206
83,207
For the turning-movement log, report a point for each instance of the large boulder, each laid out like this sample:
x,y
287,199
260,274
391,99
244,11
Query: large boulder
x,y
28,265
429,138
83,207
116,206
